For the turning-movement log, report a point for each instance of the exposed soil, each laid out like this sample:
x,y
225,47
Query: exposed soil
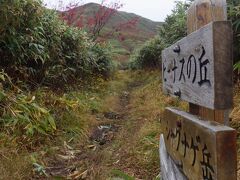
x,y
90,159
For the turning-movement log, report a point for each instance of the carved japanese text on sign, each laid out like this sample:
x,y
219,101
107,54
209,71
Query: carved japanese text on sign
x,y
198,68
202,149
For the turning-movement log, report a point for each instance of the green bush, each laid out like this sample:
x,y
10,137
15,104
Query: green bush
x,y
174,28
149,56
234,16
102,59
37,47
22,42
71,61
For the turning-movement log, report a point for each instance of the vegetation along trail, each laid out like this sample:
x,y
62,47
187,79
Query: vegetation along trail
x,y
108,130
121,135
67,111
119,138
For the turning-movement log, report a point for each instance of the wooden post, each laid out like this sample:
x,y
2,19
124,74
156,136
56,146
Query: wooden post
x,y
198,69
201,13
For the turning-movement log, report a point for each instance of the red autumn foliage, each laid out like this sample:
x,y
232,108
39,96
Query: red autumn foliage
x,y
74,15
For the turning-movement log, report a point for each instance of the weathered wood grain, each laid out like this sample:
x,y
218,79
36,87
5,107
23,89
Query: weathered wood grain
x,y
202,149
200,13
169,170
201,73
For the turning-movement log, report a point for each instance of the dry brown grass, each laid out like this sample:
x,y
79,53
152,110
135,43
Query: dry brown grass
x,y
136,145
134,149
14,165
235,120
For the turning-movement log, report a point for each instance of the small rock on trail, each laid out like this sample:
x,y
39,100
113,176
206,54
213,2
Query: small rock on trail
x,y
112,115
103,134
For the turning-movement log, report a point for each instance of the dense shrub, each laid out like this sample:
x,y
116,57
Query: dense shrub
x,y
38,48
102,59
234,16
22,42
148,57
174,28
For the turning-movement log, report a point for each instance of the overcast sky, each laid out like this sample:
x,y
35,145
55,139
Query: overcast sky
x,y
156,10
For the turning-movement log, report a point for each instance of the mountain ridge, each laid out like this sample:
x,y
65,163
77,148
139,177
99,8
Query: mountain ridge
x,y
133,37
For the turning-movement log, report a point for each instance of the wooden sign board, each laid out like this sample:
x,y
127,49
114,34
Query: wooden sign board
x,y
198,68
201,149
169,170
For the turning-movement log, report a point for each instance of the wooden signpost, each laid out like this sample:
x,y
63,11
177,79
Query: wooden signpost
x,y
200,148
198,69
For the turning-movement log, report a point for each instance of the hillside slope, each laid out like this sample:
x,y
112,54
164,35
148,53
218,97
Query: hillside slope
x,y
133,37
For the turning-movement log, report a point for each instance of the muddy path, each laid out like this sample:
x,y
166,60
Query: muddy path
x,y
105,151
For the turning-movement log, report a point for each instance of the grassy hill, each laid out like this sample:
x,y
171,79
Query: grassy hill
x,y
133,37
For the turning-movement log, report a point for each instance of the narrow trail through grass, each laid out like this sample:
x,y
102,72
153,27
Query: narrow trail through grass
x,y
108,132
122,137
